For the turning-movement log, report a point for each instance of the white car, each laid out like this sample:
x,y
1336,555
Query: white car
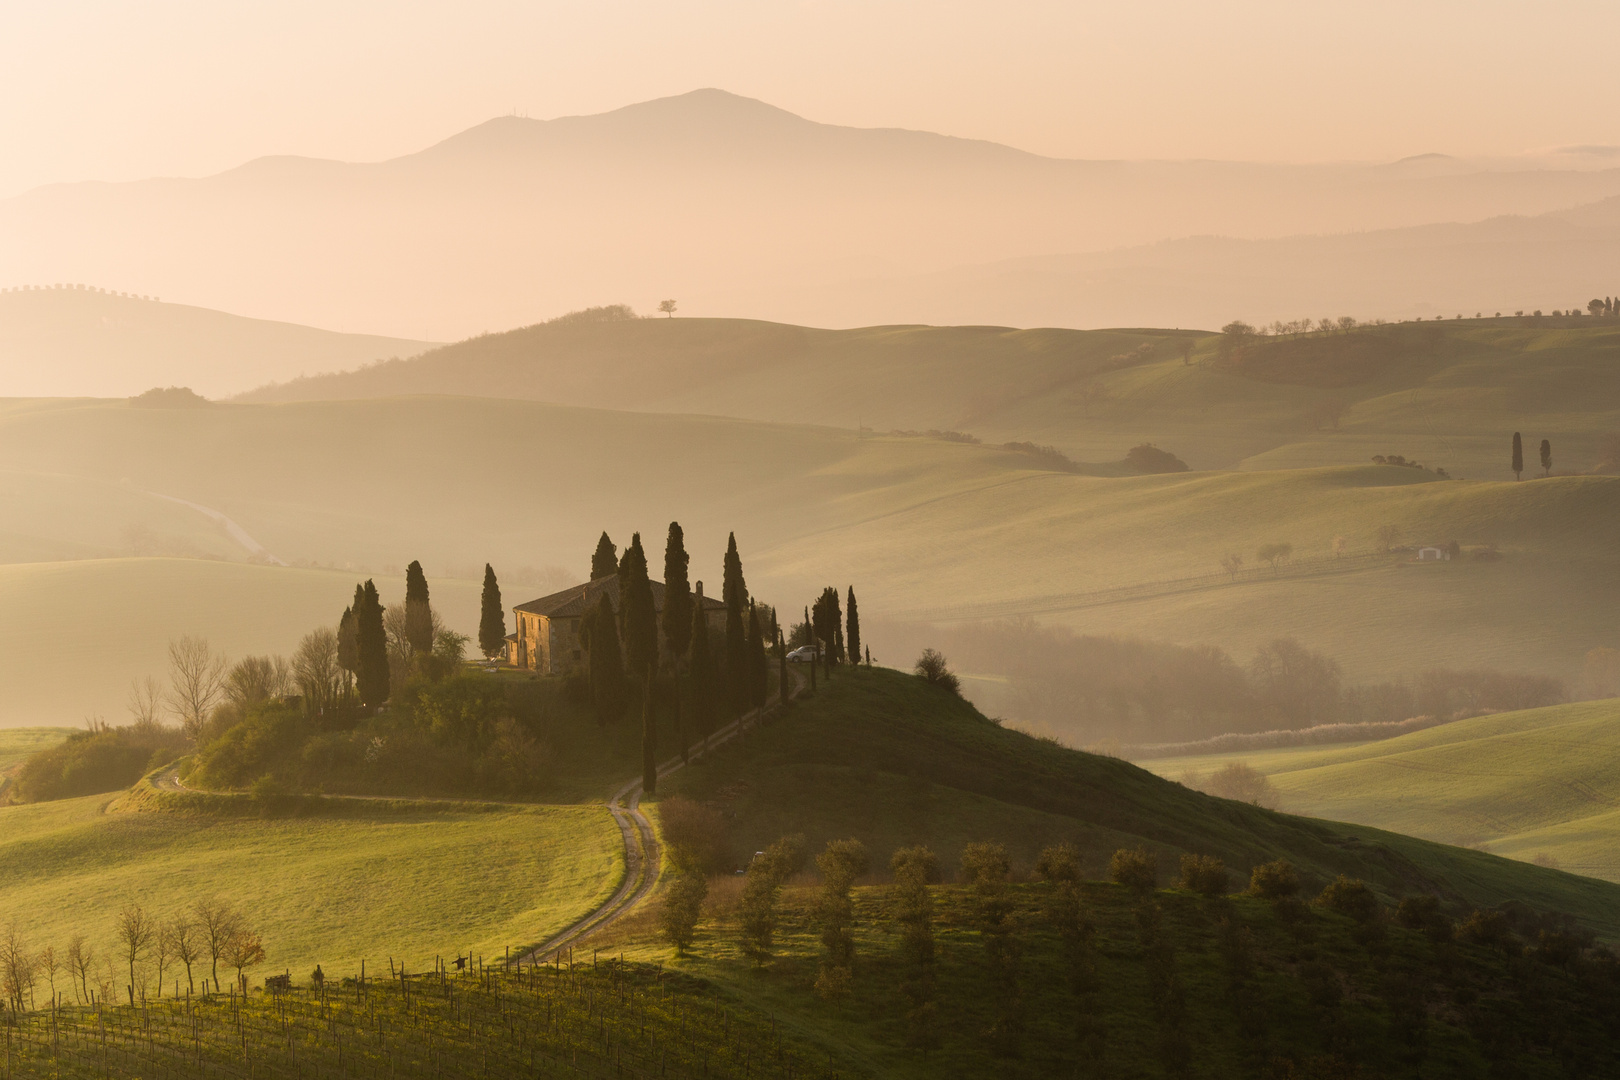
x,y
804,654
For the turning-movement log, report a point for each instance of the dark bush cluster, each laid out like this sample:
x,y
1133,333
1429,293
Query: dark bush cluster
x,y
99,760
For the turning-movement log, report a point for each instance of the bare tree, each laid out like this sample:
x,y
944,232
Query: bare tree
x,y
257,678
315,669
80,957
145,702
216,922
667,307
135,932
50,965
18,967
1387,535
243,949
186,944
162,950
196,681
1232,564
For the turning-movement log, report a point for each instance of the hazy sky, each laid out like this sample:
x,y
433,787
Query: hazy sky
x,y
119,89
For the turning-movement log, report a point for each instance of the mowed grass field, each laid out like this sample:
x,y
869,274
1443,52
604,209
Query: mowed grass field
x,y
1538,783
76,633
369,885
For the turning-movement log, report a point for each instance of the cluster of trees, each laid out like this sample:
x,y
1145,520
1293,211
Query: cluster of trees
x,y
1093,688
146,949
1606,307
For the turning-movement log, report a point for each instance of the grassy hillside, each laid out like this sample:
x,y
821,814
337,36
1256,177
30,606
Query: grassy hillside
x,y
882,756
395,880
1540,783
70,341
1446,394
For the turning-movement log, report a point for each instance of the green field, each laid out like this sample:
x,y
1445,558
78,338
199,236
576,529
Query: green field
x,y
395,881
1540,783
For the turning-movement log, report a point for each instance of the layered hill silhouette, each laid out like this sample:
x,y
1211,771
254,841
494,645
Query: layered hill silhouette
x,y
73,340
732,205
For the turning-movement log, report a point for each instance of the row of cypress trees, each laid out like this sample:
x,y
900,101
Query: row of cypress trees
x,y
363,640
625,660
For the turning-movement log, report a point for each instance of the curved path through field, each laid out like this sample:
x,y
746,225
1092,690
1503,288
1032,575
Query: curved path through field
x,y
642,858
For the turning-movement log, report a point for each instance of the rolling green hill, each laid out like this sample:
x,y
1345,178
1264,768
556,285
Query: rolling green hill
x,y
1539,783
884,757
1447,394
927,530
398,881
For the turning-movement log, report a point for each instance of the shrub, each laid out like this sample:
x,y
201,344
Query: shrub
x,y
1350,896
96,761
1489,928
932,669
1422,912
694,834
1205,875
1241,782
1135,868
1274,880
1148,458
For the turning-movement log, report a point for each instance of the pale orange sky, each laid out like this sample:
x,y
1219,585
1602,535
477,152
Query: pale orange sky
x,y
121,89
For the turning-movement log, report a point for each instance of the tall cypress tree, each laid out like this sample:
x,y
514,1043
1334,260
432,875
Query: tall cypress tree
x,y
348,649
781,668
677,619
1546,457
852,616
734,591
607,664
372,647
825,619
758,679
1518,455
605,561
701,664
636,604
491,617
418,612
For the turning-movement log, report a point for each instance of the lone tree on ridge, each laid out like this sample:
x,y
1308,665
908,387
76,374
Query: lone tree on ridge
x,y
667,307
1546,457
1518,455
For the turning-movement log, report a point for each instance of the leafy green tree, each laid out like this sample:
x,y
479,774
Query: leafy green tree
x,y
912,906
734,592
371,642
853,637
492,617
418,611
840,864
608,691
1518,456
683,907
1546,457
766,875
605,561
986,869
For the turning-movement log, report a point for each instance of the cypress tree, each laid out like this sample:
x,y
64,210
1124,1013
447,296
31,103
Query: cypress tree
x,y
605,561
734,591
636,607
348,656
701,664
492,616
607,665
825,619
649,732
781,669
1546,457
853,638
758,677
1518,455
371,647
677,619
418,611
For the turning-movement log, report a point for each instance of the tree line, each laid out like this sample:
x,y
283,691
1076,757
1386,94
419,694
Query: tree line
x,y
146,950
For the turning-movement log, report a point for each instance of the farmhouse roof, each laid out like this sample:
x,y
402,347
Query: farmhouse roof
x,y
571,603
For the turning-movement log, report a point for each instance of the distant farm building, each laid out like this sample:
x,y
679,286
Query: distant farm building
x,y
1433,554
547,636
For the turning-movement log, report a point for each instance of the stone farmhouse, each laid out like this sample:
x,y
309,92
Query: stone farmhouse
x,y
546,639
